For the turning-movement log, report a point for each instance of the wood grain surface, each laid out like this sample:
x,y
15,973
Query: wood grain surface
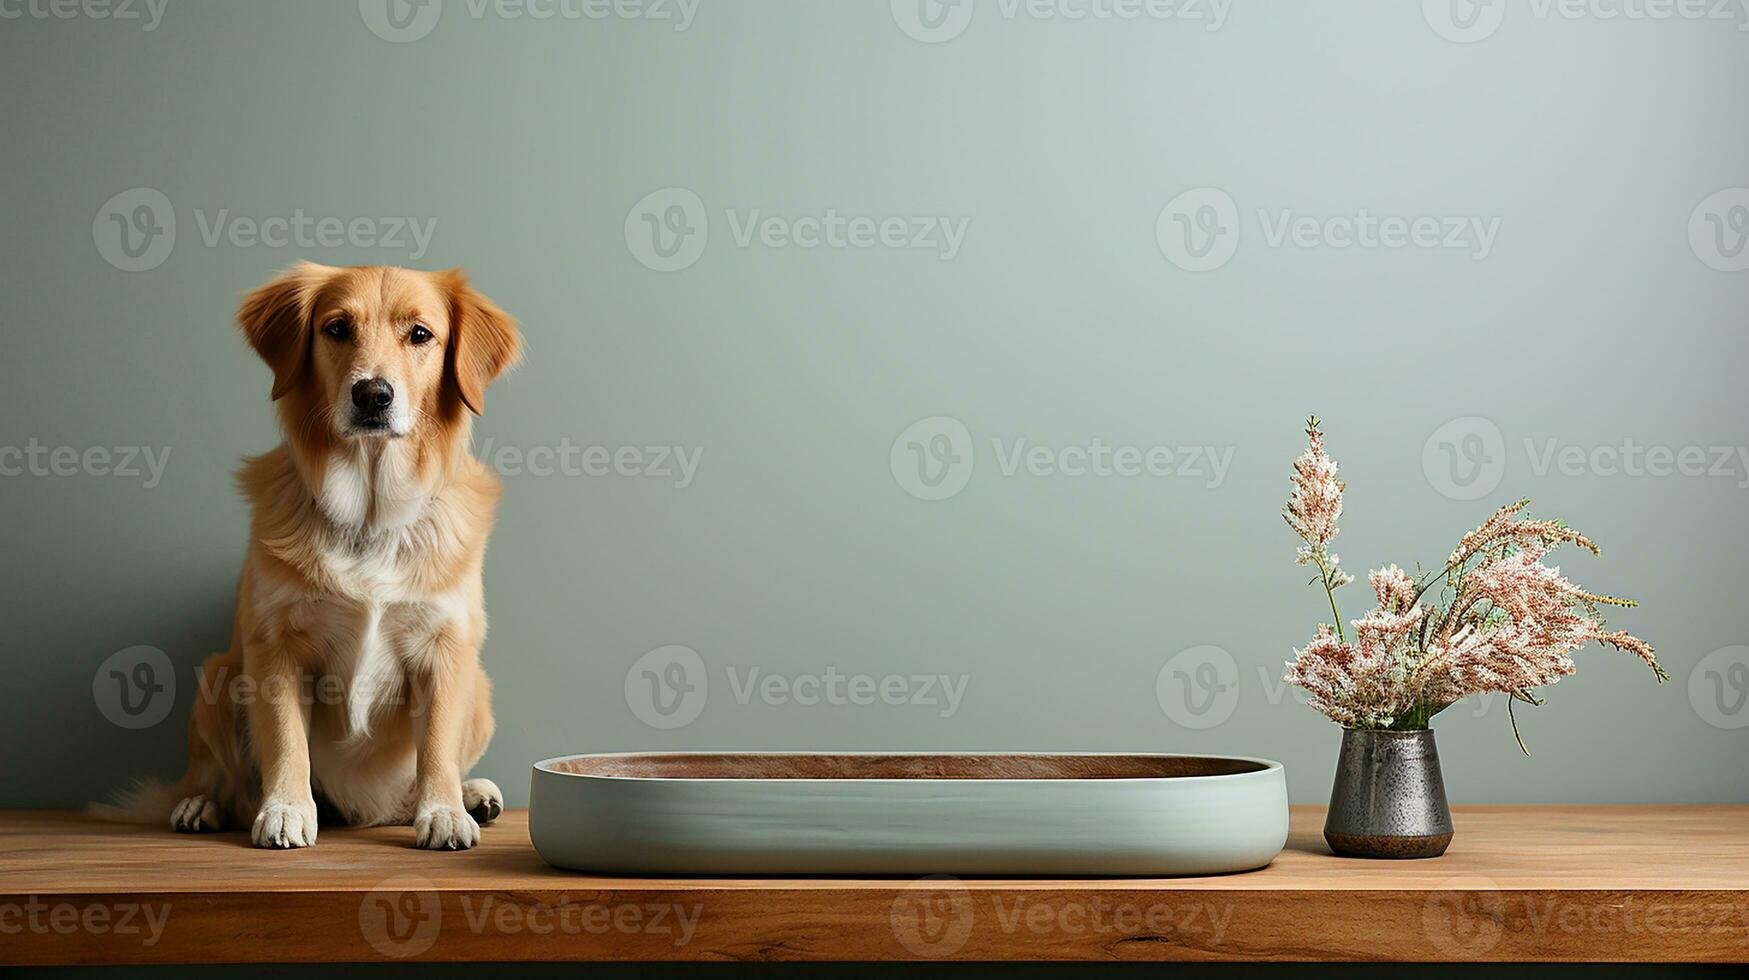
x,y
1524,883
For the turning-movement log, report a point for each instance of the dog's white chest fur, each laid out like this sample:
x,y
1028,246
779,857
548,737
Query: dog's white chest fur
x,y
375,623
369,649
371,484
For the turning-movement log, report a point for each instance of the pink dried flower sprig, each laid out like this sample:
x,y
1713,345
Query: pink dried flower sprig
x,y
1504,621
1313,509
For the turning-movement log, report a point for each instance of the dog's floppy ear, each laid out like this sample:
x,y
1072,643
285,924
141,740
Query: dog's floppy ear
x,y
483,343
276,321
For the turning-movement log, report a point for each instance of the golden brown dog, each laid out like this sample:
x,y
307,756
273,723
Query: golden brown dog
x,y
354,673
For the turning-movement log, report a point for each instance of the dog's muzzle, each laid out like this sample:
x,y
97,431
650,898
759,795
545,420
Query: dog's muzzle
x,y
373,405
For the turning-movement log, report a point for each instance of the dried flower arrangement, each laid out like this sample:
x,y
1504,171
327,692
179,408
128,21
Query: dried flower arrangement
x,y
1501,620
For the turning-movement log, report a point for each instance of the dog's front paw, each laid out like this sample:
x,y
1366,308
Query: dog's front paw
x,y
483,800
442,827
285,825
196,814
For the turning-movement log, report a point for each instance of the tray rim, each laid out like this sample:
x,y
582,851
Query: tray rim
x,y
1270,767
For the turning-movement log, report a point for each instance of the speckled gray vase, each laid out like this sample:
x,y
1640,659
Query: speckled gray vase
x,y
1389,799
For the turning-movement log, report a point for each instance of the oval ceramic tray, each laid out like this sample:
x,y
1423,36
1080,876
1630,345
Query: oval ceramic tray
x,y
687,813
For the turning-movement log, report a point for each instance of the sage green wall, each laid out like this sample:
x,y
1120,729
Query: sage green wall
x,y
1114,252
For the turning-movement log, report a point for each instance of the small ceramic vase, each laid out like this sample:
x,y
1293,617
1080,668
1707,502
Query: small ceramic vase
x,y
1388,800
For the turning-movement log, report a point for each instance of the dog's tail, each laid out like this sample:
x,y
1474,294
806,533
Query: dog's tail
x,y
145,802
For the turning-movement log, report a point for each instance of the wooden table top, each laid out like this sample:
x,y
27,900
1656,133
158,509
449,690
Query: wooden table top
x,y
1526,883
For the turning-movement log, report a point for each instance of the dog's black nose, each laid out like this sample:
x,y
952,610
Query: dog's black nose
x,y
373,394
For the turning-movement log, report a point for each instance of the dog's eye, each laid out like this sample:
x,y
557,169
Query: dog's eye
x,y
339,329
419,335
